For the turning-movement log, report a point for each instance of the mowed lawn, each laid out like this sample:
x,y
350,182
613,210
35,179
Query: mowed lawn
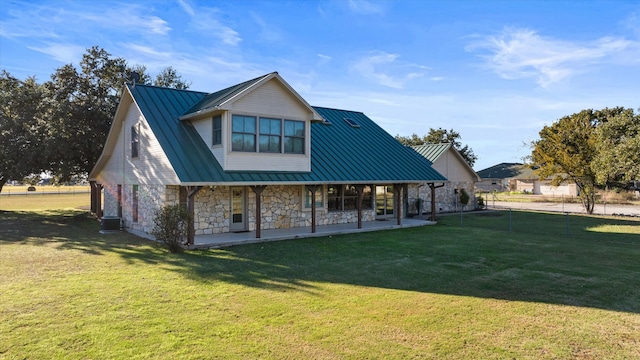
x,y
475,291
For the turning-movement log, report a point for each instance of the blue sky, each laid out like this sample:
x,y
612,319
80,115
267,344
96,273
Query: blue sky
x,y
495,71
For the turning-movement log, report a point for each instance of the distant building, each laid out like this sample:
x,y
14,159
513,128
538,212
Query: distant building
x,y
517,177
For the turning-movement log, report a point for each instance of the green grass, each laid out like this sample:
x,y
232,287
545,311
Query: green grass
x,y
44,202
441,292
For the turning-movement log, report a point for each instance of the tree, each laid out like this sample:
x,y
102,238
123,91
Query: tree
x,y
85,102
617,161
439,136
168,77
566,150
23,111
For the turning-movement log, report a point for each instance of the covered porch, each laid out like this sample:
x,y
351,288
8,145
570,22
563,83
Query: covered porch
x,y
248,237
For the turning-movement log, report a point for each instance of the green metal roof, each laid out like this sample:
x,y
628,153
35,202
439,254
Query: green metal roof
x,y
340,153
432,151
211,101
508,171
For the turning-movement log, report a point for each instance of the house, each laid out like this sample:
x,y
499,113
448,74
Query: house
x,y
518,177
447,161
250,157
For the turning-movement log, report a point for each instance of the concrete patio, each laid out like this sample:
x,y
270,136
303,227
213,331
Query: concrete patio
x,y
230,239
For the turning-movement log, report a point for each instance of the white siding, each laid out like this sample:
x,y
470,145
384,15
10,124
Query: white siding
x,y
271,99
204,128
451,167
152,165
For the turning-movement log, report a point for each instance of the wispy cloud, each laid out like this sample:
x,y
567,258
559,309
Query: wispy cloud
x,y
205,20
523,53
366,7
64,53
383,68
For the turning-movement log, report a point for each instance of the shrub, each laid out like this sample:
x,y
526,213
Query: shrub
x,y
171,226
480,201
464,197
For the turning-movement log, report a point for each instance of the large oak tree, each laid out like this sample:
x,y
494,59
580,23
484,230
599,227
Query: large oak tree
x,y
61,126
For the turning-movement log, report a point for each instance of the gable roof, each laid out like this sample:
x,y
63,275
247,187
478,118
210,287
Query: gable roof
x,y
432,152
221,100
340,153
508,171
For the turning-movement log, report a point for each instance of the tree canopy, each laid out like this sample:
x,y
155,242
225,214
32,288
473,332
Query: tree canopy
x,y
439,136
61,125
592,148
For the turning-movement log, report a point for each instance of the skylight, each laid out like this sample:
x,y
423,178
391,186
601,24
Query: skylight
x,y
351,122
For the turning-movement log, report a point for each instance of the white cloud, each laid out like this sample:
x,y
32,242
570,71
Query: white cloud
x,y
205,21
383,68
365,7
523,53
64,53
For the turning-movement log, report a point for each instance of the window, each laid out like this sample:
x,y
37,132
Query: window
x,y
351,122
294,137
243,136
134,205
217,130
135,141
345,197
273,135
307,198
270,135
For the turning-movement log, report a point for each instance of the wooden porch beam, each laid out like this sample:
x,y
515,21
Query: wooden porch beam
x,y
433,188
313,189
258,189
360,189
191,196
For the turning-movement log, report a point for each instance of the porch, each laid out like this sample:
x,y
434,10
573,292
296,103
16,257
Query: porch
x,y
230,239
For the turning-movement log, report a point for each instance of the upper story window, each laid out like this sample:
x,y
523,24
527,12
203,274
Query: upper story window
x,y
135,141
270,135
273,135
243,136
294,137
217,130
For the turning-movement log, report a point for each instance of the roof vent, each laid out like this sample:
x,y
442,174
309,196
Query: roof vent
x,y
351,122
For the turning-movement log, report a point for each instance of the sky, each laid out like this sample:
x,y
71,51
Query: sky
x,y
496,72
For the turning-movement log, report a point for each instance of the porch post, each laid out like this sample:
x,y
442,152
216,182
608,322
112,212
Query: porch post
x,y
191,196
360,189
98,197
257,189
92,185
433,188
313,189
398,198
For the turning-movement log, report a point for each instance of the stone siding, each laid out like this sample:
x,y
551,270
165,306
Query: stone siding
x,y
447,200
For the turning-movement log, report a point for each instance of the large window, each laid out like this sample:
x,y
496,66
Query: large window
x,y
293,137
345,197
243,136
273,135
270,135
217,130
135,141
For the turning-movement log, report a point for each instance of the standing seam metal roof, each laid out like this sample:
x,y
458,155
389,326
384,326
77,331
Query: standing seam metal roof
x,y
339,153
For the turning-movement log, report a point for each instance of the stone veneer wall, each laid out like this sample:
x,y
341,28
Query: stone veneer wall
x,y
282,208
446,199
150,198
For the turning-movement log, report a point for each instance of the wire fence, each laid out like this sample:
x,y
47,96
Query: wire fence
x,y
547,224
8,191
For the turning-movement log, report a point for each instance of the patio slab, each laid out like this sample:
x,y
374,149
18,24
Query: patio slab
x,y
249,237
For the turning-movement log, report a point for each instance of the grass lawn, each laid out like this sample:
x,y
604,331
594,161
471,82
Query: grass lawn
x,y
45,202
442,292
